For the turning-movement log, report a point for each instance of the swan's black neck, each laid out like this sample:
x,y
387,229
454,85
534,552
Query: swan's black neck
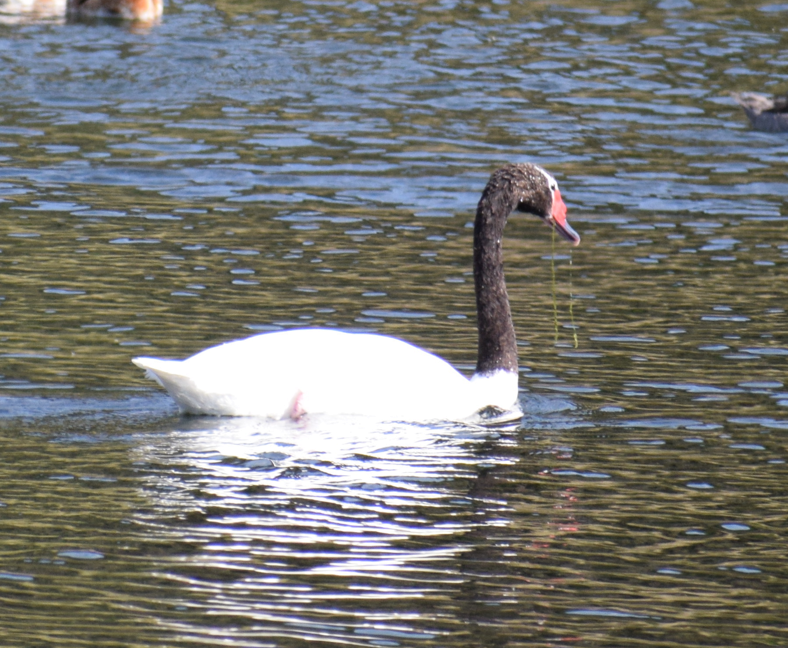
x,y
497,341
523,187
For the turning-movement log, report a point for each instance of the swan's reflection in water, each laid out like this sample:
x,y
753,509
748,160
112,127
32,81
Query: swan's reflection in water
x,y
340,530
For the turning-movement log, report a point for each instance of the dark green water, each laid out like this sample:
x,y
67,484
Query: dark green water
x,y
242,167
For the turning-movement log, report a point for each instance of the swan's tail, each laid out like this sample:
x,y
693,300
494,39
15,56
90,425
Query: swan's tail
x,y
155,368
217,393
169,374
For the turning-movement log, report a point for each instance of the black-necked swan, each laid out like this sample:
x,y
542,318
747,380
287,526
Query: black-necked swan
x,y
287,374
769,114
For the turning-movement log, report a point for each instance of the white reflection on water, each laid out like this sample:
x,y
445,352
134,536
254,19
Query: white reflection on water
x,y
307,529
340,453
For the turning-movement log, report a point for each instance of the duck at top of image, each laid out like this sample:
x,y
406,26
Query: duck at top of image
x,y
13,12
296,372
768,114
137,10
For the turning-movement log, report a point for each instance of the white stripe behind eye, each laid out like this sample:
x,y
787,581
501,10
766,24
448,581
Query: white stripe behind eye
x,y
550,179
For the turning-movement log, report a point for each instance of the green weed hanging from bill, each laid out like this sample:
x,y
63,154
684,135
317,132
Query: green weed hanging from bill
x,y
555,297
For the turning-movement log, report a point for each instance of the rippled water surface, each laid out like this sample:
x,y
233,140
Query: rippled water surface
x,y
250,166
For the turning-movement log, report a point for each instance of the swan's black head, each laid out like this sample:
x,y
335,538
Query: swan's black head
x,y
528,188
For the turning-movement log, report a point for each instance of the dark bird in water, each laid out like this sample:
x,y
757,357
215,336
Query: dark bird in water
x,y
140,10
768,114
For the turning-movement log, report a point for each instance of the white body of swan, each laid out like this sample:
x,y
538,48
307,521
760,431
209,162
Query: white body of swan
x,y
325,371
292,373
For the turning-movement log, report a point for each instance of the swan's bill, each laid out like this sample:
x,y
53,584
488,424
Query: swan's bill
x,y
557,219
